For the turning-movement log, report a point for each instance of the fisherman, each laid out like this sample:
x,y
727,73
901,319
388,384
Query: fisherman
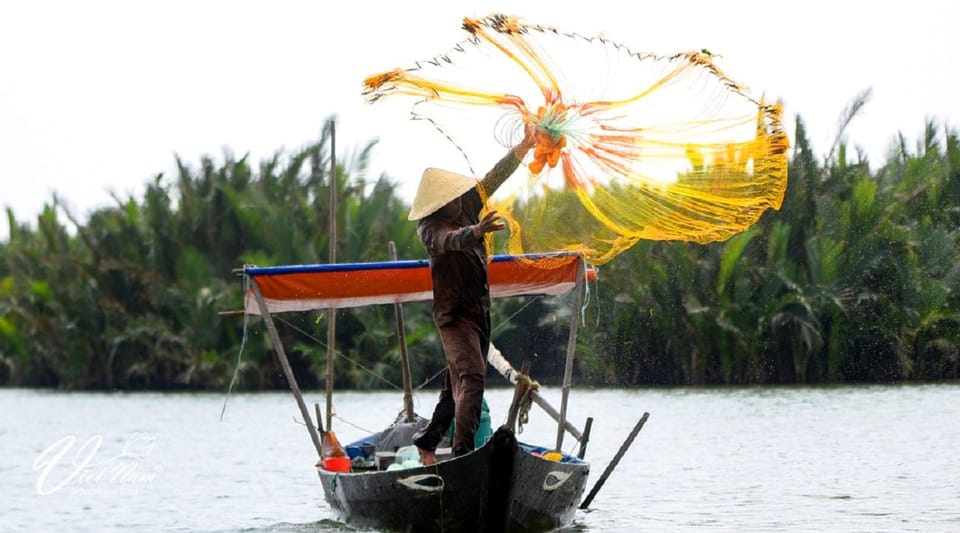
x,y
447,206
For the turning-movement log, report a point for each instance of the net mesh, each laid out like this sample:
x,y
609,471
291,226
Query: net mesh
x,y
629,145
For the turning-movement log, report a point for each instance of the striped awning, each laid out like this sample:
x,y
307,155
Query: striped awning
x,y
324,286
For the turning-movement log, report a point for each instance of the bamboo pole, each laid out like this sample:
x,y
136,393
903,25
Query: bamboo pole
x,y
555,415
571,349
616,460
285,364
404,358
316,409
586,437
332,313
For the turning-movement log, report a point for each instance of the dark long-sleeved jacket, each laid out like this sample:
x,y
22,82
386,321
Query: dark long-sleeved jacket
x,y
458,263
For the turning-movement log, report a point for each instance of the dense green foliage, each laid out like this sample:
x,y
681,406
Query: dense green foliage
x,y
856,278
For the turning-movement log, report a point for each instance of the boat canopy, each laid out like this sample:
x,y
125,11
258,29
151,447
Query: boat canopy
x,y
325,286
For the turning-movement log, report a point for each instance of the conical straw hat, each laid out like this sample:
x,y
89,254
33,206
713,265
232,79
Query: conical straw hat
x,y
437,188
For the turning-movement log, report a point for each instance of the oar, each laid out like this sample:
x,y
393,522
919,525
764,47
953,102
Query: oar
x,y
613,463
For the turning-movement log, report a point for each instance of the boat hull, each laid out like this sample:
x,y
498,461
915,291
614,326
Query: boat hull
x,y
499,487
544,494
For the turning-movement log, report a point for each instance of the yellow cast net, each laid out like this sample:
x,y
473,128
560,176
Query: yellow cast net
x,y
629,145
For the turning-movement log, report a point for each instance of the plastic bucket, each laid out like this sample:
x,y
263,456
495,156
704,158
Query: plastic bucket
x,y
337,464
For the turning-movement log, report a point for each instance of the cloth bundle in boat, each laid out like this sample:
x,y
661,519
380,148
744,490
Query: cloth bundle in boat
x,y
399,434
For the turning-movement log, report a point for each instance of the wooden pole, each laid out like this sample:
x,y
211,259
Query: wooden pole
x,y
518,392
613,463
555,415
332,313
404,358
282,356
586,437
316,409
571,349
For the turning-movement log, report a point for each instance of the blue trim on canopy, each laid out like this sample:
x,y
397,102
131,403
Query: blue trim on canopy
x,y
381,265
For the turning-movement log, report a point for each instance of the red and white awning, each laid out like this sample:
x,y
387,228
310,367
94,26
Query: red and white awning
x,y
310,287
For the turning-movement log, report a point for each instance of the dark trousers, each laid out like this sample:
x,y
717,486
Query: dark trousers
x,y
465,346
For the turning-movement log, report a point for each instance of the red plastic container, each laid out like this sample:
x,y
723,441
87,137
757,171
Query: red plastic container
x,y
337,464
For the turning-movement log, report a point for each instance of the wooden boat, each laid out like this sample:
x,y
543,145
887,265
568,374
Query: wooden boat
x,y
498,487
502,486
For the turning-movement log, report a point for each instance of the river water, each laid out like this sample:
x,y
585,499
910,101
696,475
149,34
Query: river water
x,y
871,458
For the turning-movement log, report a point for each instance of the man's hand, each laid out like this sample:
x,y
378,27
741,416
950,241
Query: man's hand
x,y
529,139
491,222
505,167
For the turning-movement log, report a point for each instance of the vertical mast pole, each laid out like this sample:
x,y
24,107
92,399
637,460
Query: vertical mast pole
x,y
332,312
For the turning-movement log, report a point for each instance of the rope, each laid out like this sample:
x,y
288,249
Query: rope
x,y
494,330
340,354
523,414
518,311
586,302
414,115
349,423
433,377
597,284
337,352
526,401
243,343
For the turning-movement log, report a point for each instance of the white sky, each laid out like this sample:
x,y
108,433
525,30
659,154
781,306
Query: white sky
x,y
99,96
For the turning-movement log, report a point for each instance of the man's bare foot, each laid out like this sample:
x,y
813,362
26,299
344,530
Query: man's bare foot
x,y
427,457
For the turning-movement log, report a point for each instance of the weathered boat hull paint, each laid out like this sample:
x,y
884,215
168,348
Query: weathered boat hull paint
x,y
499,487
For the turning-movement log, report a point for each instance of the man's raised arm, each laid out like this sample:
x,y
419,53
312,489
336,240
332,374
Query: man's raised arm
x,y
509,163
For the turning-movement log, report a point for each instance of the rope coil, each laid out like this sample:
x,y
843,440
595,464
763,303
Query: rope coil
x,y
526,401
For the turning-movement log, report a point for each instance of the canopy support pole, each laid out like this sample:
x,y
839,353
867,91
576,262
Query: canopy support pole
x,y
571,349
404,357
282,356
